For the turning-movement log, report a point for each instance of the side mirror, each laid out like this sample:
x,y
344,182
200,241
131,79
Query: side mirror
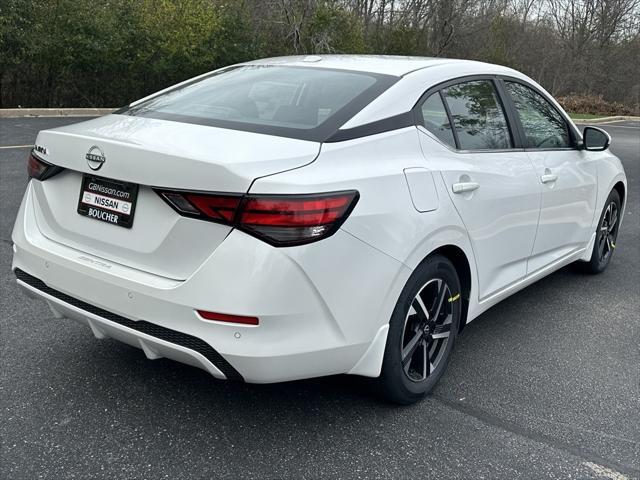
x,y
595,139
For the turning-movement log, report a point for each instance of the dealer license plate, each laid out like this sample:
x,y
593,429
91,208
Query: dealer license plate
x,y
107,200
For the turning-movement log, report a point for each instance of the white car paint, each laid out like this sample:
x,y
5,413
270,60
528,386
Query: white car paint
x,y
568,205
324,307
501,216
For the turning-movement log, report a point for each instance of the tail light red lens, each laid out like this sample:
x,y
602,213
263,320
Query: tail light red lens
x,y
280,220
39,169
295,219
283,211
215,207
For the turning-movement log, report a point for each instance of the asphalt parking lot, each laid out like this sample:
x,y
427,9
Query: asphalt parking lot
x,y
544,385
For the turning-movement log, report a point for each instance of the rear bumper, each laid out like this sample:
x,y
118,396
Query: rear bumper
x,y
320,306
155,341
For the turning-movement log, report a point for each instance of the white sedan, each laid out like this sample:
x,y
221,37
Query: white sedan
x,y
306,216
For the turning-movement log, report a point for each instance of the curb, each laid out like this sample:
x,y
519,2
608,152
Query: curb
x,y
615,118
54,112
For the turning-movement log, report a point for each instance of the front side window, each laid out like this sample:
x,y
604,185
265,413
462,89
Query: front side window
x,y
298,102
543,125
435,119
477,116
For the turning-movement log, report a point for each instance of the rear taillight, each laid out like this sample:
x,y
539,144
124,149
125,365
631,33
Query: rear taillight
x,y
280,220
221,208
39,169
292,220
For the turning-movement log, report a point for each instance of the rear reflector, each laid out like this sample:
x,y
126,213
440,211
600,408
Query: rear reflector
x,y
223,317
280,220
39,169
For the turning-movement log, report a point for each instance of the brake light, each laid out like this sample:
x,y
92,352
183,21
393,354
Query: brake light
x,y
294,220
215,207
280,220
39,169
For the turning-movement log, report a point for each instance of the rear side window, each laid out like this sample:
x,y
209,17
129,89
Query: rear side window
x,y
477,116
543,125
435,119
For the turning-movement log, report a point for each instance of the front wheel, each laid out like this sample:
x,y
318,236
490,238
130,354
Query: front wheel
x,y
606,235
422,332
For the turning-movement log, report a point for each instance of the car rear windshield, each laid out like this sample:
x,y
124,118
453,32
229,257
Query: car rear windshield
x,y
299,102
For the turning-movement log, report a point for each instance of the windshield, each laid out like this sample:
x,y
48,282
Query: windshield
x,y
298,102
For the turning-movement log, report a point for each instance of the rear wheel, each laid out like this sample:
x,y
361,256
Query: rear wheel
x,y
606,235
422,332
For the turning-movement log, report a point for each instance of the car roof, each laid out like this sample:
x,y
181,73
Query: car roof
x,y
415,75
381,64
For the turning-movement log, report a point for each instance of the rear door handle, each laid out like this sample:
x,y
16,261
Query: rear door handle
x,y
465,187
548,178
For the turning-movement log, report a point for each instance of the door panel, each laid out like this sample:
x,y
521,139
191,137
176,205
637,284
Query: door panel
x,y
492,185
568,204
501,214
567,176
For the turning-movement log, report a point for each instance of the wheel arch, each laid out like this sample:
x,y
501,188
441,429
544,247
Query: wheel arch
x,y
370,364
463,268
621,189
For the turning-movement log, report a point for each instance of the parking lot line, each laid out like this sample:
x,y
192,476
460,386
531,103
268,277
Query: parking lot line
x,y
4,147
605,472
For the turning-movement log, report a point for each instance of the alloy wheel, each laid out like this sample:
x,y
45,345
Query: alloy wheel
x,y
608,232
426,331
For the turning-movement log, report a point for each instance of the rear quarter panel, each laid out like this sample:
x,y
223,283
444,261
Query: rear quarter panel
x,y
385,217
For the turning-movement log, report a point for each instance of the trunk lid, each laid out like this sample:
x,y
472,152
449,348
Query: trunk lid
x,y
154,153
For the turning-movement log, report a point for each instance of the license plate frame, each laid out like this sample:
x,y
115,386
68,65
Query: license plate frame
x,y
108,200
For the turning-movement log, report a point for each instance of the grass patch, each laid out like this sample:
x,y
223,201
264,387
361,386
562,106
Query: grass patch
x,y
585,116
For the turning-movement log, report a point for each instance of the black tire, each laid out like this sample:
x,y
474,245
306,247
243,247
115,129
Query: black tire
x,y
606,236
404,384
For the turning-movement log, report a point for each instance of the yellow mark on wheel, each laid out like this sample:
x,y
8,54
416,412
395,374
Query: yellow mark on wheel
x,y
454,298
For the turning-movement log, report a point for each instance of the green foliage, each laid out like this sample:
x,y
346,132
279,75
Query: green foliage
x,y
498,44
399,40
82,53
110,52
333,29
13,27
